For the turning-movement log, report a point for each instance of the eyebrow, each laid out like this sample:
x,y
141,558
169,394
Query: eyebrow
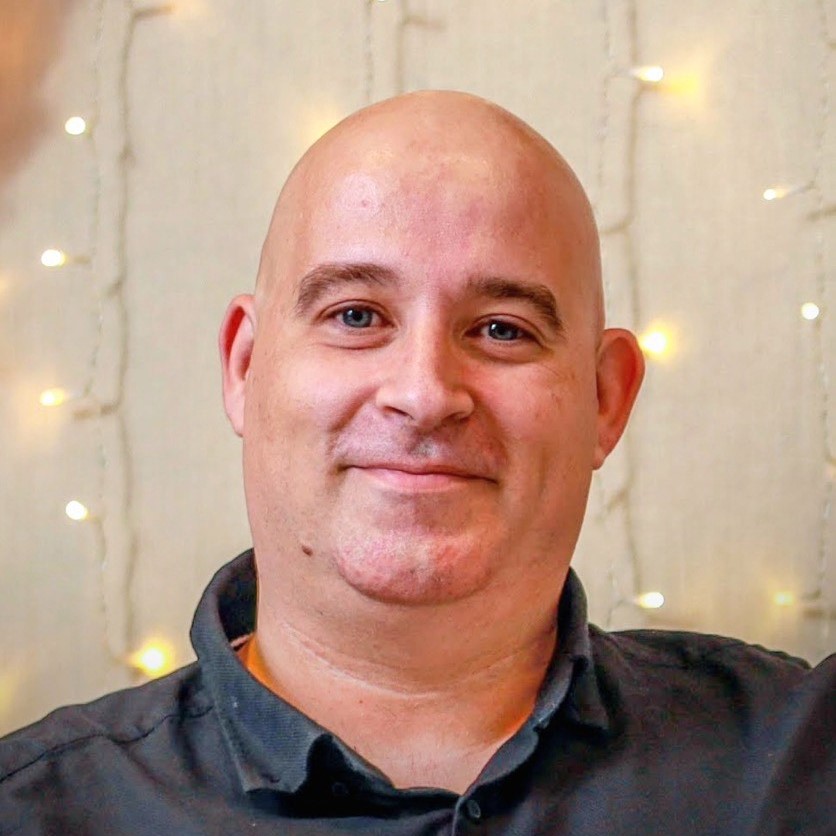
x,y
537,295
326,277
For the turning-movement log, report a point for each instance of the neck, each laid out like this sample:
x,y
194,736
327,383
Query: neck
x,y
427,694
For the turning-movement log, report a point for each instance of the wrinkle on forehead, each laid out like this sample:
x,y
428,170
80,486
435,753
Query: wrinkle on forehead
x,y
426,141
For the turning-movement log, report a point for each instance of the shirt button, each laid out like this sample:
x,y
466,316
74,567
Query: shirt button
x,y
474,811
339,789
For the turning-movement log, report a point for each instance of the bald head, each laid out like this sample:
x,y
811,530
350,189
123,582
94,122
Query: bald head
x,y
423,382
417,140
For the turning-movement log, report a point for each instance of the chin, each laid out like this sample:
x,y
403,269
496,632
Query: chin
x,y
413,571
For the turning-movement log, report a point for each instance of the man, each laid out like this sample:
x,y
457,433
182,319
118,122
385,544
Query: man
x,y
424,386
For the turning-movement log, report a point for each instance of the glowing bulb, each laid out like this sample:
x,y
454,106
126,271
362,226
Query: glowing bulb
x,y
654,342
52,397
53,258
783,599
810,311
650,75
650,600
76,510
75,126
778,192
153,659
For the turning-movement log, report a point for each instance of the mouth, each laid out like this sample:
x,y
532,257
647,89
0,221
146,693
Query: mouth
x,y
417,478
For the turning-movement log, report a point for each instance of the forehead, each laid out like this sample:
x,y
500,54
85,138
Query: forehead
x,y
455,212
436,211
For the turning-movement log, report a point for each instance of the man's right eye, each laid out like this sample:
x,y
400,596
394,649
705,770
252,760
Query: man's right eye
x,y
357,317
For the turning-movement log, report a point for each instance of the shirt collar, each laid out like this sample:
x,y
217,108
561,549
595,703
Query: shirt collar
x,y
571,683
269,740
272,744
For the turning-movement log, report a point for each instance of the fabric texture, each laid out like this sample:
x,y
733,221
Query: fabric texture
x,y
636,732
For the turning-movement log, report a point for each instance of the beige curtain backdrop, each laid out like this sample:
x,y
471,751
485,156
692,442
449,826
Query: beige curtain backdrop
x,y
721,494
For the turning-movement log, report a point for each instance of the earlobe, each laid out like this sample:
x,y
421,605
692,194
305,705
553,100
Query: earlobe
x,y
235,342
620,371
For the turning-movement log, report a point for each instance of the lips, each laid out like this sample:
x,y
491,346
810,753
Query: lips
x,y
415,477
419,459
423,469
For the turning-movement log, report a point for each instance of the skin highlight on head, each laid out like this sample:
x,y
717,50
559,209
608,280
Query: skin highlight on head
x,y
424,387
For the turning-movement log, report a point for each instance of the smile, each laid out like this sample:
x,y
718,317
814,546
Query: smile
x,y
410,480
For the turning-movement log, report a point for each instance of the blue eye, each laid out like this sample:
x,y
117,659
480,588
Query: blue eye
x,y
357,317
504,331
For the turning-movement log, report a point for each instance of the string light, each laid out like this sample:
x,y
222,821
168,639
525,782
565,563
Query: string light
x,y
780,192
783,599
84,406
53,397
153,659
650,600
116,538
655,343
617,501
828,447
75,125
651,74
810,311
77,511
53,258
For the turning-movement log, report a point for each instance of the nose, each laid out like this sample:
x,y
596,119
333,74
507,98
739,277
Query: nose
x,y
426,382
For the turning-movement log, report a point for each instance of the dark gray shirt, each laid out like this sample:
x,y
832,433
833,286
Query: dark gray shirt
x,y
640,732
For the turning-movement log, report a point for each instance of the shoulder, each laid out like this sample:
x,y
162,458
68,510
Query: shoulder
x,y
706,678
114,722
679,650
752,729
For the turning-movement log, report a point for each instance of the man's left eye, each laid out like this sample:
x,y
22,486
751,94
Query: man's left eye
x,y
503,331
357,317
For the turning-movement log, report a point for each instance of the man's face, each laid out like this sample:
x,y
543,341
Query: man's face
x,y
420,415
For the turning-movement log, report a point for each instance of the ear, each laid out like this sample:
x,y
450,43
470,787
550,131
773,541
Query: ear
x,y
235,342
620,371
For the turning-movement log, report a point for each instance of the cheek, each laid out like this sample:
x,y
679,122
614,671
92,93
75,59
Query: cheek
x,y
296,400
552,422
552,403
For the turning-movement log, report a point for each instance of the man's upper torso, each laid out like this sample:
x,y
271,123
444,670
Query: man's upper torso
x,y
641,732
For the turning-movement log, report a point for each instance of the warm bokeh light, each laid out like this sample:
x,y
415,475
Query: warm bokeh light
x,y
810,311
655,342
650,600
11,680
52,397
773,193
53,258
652,74
154,658
687,87
75,125
783,599
184,9
76,510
